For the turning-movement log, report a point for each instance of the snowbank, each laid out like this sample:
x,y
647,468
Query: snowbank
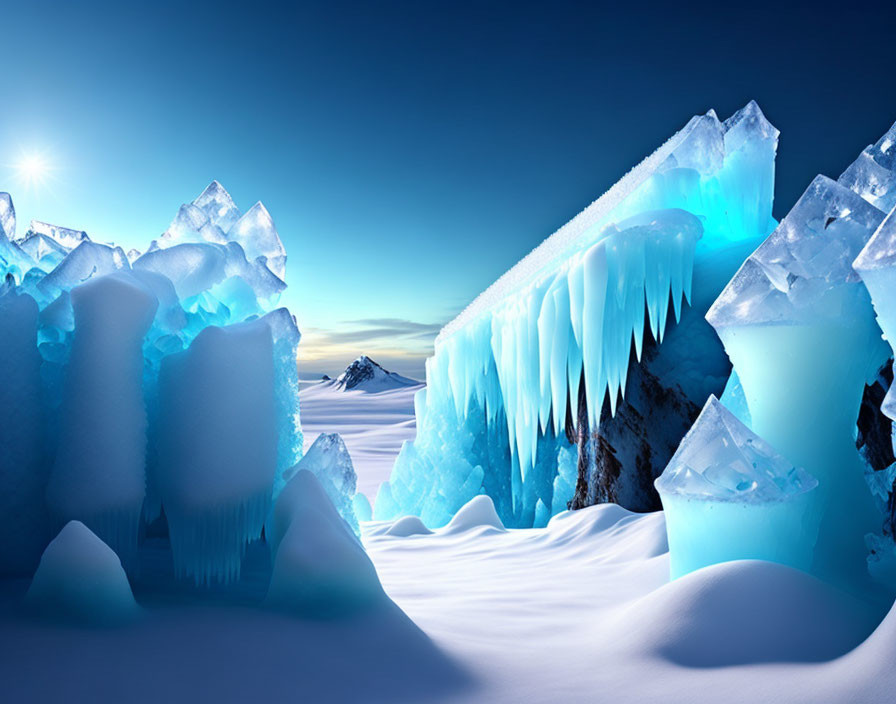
x,y
81,580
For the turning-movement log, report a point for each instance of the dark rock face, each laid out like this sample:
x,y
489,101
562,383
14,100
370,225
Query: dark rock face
x,y
874,439
619,462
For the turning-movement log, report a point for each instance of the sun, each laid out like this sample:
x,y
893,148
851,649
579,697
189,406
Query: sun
x,y
33,169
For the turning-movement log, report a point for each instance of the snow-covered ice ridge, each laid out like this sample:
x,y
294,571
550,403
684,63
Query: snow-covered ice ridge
x,y
504,382
183,359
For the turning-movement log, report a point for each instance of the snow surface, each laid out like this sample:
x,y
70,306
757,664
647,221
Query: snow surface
x,y
372,425
583,611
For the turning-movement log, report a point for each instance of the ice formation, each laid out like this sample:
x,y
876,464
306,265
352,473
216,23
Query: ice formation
x,y
23,460
876,264
88,329
554,334
328,460
320,567
81,580
98,476
796,316
217,447
728,495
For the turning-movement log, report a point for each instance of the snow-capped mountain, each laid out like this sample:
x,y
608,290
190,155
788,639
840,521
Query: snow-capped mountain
x,y
366,375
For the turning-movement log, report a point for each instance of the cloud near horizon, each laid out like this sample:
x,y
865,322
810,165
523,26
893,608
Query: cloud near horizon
x,y
398,344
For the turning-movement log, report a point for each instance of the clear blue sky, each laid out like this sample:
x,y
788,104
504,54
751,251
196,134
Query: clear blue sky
x,y
409,152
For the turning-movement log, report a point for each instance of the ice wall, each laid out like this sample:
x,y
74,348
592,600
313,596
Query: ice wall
x,y
503,385
89,328
799,328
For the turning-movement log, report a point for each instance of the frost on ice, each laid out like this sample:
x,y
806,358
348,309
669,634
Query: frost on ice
x,y
728,495
104,350
524,371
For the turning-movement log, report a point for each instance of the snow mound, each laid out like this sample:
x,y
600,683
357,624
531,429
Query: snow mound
x,y
407,526
478,511
320,568
81,579
744,612
366,375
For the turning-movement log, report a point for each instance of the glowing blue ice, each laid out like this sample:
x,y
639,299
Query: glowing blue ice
x,y
799,328
100,325
503,384
728,495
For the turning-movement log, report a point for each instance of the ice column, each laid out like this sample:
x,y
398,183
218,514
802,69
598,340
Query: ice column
x,y
799,328
217,447
23,470
98,477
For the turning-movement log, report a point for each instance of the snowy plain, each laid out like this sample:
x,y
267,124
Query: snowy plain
x,y
373,425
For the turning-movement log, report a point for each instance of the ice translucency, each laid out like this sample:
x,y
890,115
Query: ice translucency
x,y
728,495
256,233
873,174
328,460
100,325
794,317
7,217
503,386
721,459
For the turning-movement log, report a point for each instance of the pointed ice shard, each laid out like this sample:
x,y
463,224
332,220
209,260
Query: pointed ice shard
x,y
793,275
7,217
217,206
746,124
721,459
256,233
704,148
873,174
328,460
728,495
68,238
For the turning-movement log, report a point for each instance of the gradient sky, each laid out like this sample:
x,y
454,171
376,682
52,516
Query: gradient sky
x,y
409,152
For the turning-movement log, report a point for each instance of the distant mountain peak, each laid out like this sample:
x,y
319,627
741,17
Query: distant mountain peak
x,y
367,375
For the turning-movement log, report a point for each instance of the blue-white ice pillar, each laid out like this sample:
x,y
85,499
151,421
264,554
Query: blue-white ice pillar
x,y
23,456
217,447
798,326
99,476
